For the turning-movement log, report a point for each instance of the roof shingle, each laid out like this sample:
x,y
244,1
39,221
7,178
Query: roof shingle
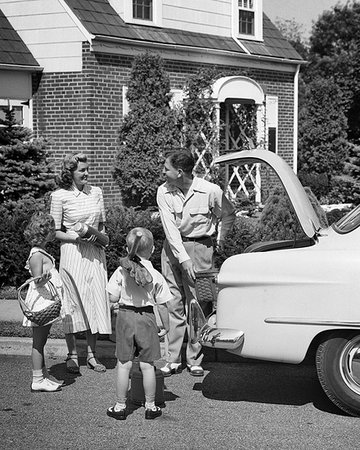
x,y
100,19
13,51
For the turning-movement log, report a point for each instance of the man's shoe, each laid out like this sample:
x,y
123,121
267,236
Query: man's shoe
x,y
195,371
44,385
118,415
171,369
152,413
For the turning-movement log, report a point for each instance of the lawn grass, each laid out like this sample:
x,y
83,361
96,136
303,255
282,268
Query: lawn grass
x,y
15,329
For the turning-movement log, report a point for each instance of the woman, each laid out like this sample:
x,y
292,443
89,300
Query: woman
x,y
82,261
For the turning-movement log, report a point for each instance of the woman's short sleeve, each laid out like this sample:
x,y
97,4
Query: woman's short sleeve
x,y
56,209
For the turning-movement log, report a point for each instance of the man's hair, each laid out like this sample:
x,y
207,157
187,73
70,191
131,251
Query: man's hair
x,y
38,228
146,243
182,160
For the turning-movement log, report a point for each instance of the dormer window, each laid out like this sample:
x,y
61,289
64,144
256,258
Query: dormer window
x,y
141,12
247,19
143,9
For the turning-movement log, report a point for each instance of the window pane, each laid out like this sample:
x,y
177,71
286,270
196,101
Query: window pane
x,y
142,9
246,4
246,22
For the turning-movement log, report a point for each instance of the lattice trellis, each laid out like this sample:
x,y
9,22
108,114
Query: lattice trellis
x,y
235,130
206,149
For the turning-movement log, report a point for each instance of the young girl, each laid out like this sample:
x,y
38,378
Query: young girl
x,y
40,231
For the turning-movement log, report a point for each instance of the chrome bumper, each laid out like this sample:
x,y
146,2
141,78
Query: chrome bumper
x,y
225,338
205,331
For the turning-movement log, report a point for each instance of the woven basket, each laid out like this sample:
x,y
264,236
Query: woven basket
x,y
45,316
206,286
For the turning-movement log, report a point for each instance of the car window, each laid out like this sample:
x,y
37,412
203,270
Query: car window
x,y
349,222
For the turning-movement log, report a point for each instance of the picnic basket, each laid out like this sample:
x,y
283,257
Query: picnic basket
x,y
45,316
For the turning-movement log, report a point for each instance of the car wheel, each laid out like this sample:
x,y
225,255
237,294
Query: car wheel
x,y
338,368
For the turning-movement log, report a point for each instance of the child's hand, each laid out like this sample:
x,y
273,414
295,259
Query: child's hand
x,y
161,333
114,307
45,277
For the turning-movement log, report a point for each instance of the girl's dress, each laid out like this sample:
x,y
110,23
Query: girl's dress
x,y
82,266
38,298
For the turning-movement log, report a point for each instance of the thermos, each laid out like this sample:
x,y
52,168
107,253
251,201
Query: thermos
x,y
85,231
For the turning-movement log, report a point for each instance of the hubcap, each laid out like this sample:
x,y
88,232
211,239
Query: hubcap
x,y
350,364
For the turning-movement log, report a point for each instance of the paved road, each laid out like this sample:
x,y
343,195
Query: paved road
x,y
245,405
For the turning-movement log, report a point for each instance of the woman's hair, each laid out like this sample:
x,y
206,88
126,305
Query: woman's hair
x,y
146,243
182,160
38,228
69,165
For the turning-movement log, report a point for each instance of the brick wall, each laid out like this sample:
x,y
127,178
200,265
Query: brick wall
x,y
83,111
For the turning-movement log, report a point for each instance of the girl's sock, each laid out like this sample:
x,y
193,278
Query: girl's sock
x,y
150,405
119,406
37,376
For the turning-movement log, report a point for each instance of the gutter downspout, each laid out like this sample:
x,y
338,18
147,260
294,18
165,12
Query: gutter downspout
x,y
296,118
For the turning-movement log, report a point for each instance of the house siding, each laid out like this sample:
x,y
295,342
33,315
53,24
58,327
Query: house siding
x,y
83,111
48,31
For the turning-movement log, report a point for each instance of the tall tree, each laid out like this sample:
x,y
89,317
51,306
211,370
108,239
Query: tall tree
x,y
323,145
149,130
335,54
24,164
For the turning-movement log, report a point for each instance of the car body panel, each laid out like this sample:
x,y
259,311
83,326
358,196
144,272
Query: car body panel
x,y
307,216
282,299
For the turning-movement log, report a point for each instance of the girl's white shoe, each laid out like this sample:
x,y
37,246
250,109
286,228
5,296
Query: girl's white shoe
x,y
44,385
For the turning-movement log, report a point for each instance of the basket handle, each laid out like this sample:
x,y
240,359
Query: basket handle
x,y
52,289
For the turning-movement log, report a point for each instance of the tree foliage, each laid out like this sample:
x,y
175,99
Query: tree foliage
x,y
294,33
24,164
149,130
323,145
335,53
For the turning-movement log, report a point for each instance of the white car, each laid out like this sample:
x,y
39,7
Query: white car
x,y
278,301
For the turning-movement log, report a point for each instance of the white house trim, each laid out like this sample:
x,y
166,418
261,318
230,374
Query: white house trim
x,y
237,87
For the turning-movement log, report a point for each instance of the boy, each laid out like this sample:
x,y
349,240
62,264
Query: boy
x,y
136,327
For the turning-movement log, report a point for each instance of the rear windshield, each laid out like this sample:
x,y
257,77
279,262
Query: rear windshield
x,y
349,222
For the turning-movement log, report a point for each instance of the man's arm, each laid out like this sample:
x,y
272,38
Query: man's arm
x,y
173,235
172,232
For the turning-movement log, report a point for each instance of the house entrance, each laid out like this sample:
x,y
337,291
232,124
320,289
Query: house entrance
x,y
238,124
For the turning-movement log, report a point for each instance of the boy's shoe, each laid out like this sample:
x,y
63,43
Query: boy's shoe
x,y
44,385
152,413
170,369
195,371
118,415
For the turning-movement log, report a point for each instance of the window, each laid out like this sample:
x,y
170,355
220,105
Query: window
x,y
246,17
247,21
23,111
142,10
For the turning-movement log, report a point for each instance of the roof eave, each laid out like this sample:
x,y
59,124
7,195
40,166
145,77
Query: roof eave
x,y
21,67
153,44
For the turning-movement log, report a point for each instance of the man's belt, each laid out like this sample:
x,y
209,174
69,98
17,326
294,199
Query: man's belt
x,y
195,239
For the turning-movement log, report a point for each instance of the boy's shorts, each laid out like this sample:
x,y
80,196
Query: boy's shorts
x,y
136,334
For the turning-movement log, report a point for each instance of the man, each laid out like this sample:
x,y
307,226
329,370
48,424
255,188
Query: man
x,y
190,210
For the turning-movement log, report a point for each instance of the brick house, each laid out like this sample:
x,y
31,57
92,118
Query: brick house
x,y
86,47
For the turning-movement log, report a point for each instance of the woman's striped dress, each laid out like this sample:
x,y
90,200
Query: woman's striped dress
x,y
82,266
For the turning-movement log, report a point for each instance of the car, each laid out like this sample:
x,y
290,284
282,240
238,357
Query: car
x,y
282,301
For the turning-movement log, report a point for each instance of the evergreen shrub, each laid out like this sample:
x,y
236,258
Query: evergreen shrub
x,y
14,249
119,221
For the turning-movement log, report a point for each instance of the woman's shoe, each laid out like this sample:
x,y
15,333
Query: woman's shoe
x,y
72,364
95,365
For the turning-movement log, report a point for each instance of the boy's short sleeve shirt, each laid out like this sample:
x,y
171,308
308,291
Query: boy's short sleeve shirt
x,y
123,286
